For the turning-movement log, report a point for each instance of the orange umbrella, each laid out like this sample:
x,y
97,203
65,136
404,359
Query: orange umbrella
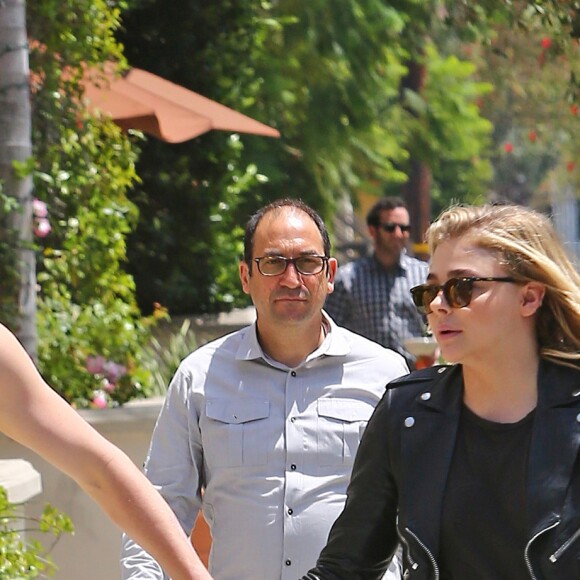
x,y
144,101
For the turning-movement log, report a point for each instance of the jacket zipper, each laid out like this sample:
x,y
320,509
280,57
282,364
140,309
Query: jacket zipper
x,y
554,557
412,562
427,551
527,550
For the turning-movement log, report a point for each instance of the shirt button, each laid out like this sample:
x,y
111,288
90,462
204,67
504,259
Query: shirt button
x,y
290,511
293,467
425,396
409,422
288,563
293,419
293,373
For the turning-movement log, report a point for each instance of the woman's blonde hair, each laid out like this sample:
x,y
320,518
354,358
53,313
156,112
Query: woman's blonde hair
x,y
527,245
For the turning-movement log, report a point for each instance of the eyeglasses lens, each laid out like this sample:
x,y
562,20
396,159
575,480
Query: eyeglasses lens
x,y
309,264
276,265
457,293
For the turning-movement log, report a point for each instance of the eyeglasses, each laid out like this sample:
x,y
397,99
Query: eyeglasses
x,y
390,227
456,291
276,265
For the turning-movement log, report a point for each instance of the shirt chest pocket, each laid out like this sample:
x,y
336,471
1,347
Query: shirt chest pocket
x,y
234,433
341,423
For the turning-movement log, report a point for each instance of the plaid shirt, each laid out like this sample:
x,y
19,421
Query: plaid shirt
x,y
375,302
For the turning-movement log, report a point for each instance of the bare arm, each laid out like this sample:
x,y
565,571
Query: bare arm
x,y
35,416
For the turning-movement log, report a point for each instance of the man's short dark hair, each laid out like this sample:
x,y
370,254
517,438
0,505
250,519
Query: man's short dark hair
x,y
384,204
255,219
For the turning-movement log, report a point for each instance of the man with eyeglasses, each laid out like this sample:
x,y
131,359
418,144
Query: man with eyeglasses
x,y
260,428
371,295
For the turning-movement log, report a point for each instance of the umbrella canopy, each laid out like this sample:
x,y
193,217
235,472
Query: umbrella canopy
x,y
144,101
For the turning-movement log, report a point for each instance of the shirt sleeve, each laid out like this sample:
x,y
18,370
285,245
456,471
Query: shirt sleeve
x,y
174,467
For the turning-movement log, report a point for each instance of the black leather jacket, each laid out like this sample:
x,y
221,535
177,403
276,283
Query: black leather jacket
x,y
398,480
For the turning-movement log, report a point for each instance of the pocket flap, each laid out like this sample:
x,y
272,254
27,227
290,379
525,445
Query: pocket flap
x,y
237,411
345,409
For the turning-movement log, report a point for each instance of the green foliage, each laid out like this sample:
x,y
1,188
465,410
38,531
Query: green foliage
x,y
86,305
28,560
9,275
83,169
165,356
447,131
337,66
195,197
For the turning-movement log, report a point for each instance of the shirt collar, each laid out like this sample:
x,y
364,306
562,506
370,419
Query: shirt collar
x,y
334,344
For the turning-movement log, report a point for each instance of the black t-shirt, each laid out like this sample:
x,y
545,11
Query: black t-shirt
x,y
483,526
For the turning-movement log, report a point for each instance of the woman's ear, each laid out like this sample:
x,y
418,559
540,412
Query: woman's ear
x,y
532,297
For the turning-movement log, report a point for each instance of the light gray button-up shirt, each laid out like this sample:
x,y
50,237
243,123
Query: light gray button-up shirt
x,y
271,447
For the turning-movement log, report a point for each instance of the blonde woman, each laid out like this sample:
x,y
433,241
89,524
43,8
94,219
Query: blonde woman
x,y
35,416
474,467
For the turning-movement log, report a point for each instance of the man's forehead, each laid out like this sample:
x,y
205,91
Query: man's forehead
x,y
285,218
287,225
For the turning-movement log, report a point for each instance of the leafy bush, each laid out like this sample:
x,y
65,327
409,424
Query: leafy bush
x,y
28,559
163,359
91,332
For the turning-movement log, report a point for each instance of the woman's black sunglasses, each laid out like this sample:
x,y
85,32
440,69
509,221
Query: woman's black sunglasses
x,y
456,291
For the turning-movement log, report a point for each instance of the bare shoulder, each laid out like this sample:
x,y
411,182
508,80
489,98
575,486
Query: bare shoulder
x,y
15,363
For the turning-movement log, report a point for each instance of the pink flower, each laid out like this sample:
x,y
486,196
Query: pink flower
x,y
113,371
42,228
39,208
99,400
95,364
108,386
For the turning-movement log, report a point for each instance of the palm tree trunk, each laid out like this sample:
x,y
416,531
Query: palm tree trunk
x,y
15,145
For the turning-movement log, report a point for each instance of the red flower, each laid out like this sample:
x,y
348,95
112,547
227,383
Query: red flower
x,y
570,166
574,109
532,136
546,43
508,147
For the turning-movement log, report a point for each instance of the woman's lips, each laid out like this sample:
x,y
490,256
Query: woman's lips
x,y
445,333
